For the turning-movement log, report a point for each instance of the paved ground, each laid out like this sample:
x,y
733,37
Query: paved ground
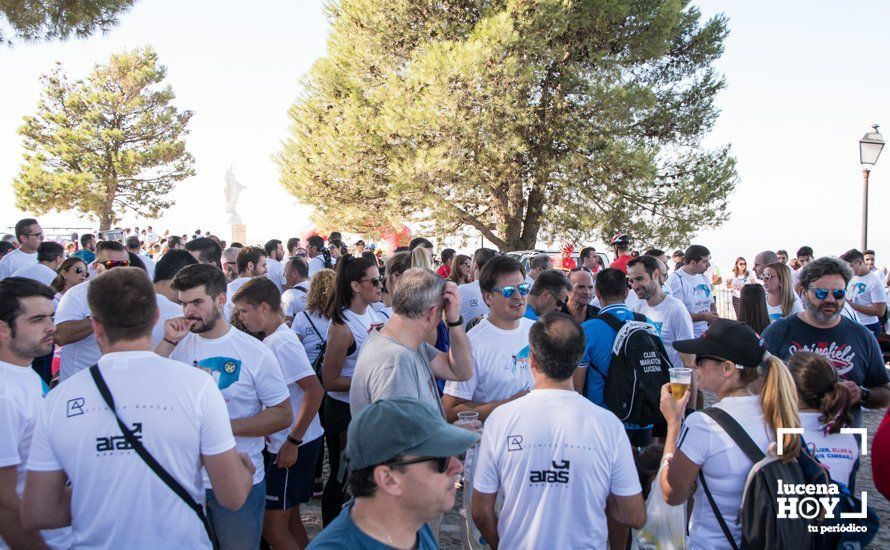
x,y
449,536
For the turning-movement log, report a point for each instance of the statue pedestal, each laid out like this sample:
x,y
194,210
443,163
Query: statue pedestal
x,y
239,233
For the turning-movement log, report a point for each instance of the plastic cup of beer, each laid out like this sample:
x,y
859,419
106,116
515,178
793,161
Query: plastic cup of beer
x,y
681,378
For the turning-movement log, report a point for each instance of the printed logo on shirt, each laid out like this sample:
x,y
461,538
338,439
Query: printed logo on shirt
x,y
474,302
514,443
75,407
118,442
558,474
704,288
841,356
858,289
658,325
224,370
520,367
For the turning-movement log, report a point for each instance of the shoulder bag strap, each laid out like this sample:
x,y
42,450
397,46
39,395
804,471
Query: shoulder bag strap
x,y
725,528
737,433
314,327
146,457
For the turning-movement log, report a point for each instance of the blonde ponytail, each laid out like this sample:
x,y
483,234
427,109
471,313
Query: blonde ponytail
x,y
779,402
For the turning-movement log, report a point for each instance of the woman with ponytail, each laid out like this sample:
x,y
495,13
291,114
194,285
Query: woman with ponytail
x,y
357,286
825,405
758,392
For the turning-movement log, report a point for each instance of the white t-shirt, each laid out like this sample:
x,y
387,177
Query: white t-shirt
x,y
360,326
294,367
837,452
500,363
695,293
14,261
166,310
149,265
312,341
38,272
775,312
740,280
316,264
118,502
82,354
632,301
724,466
21,402
293,300
471,303
556,456
231,289
672,321
275,273
866,290
247,374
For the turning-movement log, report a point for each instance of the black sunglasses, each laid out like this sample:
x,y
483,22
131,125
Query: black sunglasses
x,y
442,462
700,358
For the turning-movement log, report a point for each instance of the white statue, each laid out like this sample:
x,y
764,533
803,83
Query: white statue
x,y
233,191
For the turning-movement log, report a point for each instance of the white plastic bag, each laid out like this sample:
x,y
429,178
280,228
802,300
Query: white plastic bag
x,y
665,527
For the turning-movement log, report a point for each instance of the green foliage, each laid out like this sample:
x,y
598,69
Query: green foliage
x,y
52,19
518,119
111,142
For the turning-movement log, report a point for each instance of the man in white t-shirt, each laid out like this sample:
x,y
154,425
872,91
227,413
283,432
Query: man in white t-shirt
x,y
690,285
560,461
293,300
26,332
314,247
251,263
134,246
250,379
275,269
865,292
74,331
499,345
666,313
50,256
293,452
30,235
472,306
116,500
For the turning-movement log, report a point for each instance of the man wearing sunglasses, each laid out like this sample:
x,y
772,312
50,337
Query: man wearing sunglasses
x,y
403,469
550,292
850,347
499,344
29,235
74,330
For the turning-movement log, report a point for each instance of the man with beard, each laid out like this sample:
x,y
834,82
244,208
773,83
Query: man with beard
x,y
26,332
578,305
274,268
251,263
848,346
250,379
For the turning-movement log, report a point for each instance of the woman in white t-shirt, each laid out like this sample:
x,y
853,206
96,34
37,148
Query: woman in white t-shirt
x,y
824,404
781,300
739,278
358,285
311,324
754,388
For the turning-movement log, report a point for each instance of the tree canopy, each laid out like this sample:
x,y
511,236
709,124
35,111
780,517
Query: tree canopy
x,y
519,119
58,19
111,142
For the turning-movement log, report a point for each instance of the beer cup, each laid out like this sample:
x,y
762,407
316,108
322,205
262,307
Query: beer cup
x,y
681,378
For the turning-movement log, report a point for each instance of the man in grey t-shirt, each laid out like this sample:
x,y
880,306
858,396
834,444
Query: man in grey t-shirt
x,y
397,361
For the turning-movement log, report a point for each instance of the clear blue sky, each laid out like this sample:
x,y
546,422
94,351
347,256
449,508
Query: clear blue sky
x,y
805,81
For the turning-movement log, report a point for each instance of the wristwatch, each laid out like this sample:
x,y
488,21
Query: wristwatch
x,y
296,442
865,394
459,322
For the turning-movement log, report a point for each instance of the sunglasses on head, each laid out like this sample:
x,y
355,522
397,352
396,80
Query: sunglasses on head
x,y
442,462
115,263
822,293
509,291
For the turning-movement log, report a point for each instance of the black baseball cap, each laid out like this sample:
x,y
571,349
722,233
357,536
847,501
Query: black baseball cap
x,y
731,340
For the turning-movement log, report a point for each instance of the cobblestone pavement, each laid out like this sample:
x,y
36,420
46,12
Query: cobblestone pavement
x,y
449,535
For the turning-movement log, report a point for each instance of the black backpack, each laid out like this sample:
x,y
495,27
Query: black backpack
x,y
637,371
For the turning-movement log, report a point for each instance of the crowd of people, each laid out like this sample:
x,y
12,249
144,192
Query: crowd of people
x,y
210,389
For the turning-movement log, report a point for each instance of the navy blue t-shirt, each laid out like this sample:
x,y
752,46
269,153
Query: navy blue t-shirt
x,y
343,533
850,348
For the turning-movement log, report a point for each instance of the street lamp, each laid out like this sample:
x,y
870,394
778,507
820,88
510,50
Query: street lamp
x,y
870,147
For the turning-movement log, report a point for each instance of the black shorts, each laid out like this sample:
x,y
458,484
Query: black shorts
x,y
286,488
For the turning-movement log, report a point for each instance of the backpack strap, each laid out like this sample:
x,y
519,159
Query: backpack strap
x,y
300,288
723,527
314,327
737,433
610,320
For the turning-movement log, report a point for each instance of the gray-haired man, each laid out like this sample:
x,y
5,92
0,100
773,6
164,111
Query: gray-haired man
x,y
397,361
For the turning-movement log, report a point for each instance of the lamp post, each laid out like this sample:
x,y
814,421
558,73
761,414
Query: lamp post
x,y
870,147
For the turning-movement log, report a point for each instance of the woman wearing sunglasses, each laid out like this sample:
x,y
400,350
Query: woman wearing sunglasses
x,y
460,270
358,285
781,301
740,277
757,391
71,273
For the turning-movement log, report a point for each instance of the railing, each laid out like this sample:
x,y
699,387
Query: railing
x,y
724,303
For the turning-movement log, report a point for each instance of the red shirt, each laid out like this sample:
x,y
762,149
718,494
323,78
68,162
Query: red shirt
x,y
621,262
880,457
444,271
